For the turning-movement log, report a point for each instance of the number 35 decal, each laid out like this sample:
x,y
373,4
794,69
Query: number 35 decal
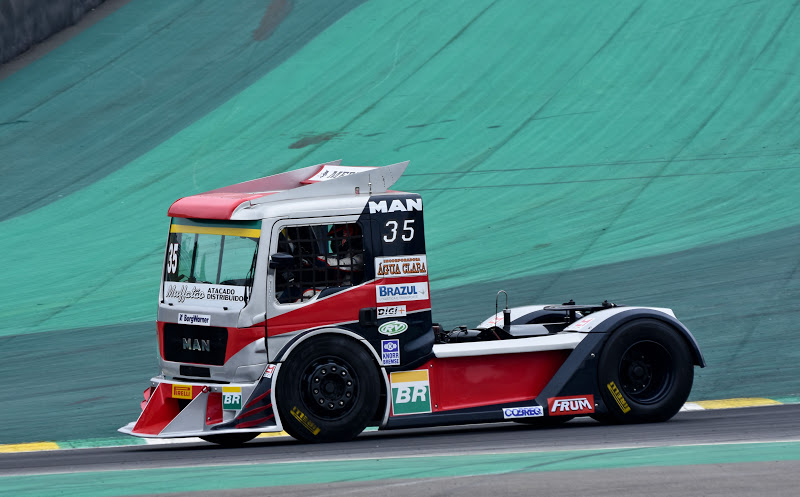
x,y
407,233
172,258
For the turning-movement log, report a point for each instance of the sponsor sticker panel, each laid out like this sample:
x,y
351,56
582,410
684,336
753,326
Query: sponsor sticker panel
x,y
194,319
570,406
402,292
395,205
392,328
334,171
391,311
396,267
205,295
181,391
390,352
232,398
523,412
410,392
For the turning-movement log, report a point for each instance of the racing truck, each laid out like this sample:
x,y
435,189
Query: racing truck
x,y
300,302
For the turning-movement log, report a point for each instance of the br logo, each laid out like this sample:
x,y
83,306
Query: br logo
x,y
410,392
231,398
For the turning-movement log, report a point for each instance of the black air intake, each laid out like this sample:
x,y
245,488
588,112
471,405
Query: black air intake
x,y
195,344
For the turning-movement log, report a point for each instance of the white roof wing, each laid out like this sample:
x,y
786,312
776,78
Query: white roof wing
x,y
276,182
370,181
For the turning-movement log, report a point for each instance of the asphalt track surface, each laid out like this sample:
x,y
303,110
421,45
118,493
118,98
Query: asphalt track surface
x,y
743,451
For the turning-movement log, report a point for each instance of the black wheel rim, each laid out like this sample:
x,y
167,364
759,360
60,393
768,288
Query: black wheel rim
x,y
645,372
329,387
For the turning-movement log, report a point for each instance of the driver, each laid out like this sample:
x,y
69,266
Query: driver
x,y
346,259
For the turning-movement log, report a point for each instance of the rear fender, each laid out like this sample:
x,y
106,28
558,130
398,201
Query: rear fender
x,y
608,320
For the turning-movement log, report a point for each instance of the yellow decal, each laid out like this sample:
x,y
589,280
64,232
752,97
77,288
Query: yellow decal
x,y
300,416
203,230
612,387
182,392
416,375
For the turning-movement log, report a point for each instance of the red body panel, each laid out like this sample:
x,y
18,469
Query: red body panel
x,y
211,205
214,408
160,410
463,382
341,307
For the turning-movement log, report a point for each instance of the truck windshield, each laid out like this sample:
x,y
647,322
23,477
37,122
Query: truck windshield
x,y
211,254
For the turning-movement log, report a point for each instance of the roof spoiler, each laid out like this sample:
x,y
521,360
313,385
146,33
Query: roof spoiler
x,y
292,184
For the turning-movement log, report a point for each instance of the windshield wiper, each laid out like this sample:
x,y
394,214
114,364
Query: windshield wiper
x,y
248,288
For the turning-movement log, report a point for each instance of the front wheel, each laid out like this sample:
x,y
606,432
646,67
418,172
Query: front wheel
x,y
327,390
645,372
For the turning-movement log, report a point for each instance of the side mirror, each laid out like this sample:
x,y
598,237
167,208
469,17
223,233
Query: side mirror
x,y
281,260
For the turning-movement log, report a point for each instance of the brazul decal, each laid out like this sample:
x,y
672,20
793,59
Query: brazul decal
x,y
395,267
392,328
401,292
621,402
523,412
410,392
569,406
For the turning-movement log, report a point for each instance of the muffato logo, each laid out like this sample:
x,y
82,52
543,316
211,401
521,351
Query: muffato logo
x,y
392,328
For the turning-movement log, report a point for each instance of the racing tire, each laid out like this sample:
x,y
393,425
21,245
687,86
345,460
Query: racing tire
x,y
328,390
230,439
645,373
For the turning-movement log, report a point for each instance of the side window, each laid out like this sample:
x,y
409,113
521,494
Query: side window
x,y
326,258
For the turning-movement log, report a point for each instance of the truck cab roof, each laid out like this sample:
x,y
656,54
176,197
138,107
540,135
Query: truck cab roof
x,y
310,191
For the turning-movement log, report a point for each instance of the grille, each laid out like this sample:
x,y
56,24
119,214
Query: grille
x,y
195,344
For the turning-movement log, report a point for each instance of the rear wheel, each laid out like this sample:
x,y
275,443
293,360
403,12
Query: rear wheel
x,y
327,390
230,439
645,372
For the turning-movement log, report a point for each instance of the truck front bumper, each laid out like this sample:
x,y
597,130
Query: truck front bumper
x,y
173,409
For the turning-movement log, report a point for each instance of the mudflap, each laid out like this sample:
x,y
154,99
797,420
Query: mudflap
x,y
573,390
174,409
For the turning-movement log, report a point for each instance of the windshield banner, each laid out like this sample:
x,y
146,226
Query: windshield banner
x,y
205,295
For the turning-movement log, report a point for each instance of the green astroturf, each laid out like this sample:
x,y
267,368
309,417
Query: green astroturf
x,y
582,142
